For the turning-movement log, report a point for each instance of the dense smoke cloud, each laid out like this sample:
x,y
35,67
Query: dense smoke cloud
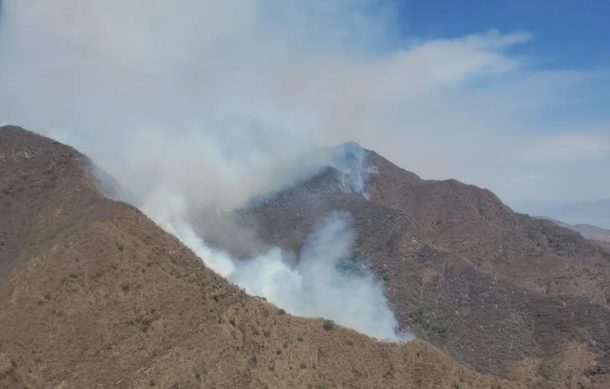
x,y
291,75
198,106
325,280
190,108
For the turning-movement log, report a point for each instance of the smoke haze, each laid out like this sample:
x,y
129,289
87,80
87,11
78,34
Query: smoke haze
x,y
280,76
198,106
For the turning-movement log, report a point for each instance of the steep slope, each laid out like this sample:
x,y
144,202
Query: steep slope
x,y
93,294
496,289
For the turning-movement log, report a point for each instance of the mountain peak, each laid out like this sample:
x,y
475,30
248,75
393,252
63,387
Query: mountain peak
x,y
355,167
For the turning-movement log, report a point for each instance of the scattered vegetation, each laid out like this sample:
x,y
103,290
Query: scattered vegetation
x,y
433,332
144,322
328,325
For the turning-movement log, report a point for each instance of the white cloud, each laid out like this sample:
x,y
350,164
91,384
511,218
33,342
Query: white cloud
x,y
575,146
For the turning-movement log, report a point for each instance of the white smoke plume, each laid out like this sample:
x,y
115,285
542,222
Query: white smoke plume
x,y
325,281
127,78
199,105
189,108
352,162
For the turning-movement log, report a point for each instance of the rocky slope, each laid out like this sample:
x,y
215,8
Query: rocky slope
x,y
93,294
501,292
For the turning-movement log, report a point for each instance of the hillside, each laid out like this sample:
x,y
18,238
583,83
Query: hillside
x,y
501,292
93,294
597,234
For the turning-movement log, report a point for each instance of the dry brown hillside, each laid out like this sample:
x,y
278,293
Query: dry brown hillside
x,y
501,292
93,294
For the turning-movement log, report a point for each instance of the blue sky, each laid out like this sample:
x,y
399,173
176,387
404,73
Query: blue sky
x,y
567,33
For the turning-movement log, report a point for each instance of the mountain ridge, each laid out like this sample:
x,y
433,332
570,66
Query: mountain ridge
x,y
460,267
98,295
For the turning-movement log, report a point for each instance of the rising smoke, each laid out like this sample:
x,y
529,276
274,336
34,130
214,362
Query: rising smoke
x,y
324,280
198,106
180,104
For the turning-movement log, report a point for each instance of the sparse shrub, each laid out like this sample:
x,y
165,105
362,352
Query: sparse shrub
x,y
328,325
125,287
433,332
144,322
281,311
300,338
232,321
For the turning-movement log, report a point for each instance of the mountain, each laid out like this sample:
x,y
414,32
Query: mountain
x,y
501,292
595,213
94,294
596,234
592,232
586,230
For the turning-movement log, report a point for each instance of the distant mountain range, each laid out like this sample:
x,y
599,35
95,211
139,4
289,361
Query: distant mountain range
x,y
594,233
595,213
